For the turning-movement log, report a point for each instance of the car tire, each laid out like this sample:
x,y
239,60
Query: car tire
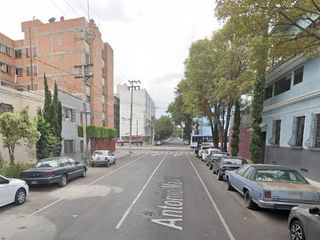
x,y
296,231
207,163
20,196
63,181
248,201
84,173
220,178
210,167
115,161
230,188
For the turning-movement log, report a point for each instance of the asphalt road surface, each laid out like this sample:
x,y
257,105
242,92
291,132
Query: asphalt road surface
x,y
149,194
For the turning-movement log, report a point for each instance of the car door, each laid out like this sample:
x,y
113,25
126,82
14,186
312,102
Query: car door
x,y
71,168
7,191
75,169
111,157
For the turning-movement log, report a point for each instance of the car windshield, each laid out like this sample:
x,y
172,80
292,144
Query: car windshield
x,y
279,175
43,164
233,161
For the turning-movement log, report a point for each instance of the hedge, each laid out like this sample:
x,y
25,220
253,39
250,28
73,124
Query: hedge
x,y
98,132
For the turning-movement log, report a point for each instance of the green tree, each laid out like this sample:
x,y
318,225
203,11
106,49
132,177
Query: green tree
x,y
15,129
50,143
164,128
47,142
235,130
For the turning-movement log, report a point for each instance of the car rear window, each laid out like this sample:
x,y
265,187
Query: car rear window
x,y
98,153
44,164
279,175
234,161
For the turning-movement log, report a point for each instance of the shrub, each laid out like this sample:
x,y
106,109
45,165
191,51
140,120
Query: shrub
x,y
13,171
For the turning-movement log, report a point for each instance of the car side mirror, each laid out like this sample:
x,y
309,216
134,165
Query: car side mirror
x,y
314,211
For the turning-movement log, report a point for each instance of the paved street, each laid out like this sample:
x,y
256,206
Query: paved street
x,y
149,194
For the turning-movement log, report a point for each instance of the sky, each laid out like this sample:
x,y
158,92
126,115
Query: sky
x,y
150,38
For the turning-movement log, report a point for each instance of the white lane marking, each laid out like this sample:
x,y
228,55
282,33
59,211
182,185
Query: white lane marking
x,y
139,194
108,174
223,221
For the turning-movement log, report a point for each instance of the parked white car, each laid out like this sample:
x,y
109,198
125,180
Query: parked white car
x,y
13,190
207,152
103,157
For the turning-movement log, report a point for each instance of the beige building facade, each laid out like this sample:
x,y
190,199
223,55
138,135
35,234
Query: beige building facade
x,y
54,49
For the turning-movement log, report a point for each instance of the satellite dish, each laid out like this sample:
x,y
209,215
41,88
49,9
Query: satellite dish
x,y
51,20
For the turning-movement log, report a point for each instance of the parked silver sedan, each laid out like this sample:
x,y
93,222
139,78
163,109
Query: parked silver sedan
x,y
272,186
103,158
304,223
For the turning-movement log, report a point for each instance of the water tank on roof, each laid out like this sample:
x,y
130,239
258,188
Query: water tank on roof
x,y
51,20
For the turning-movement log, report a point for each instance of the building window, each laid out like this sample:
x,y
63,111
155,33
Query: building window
x,y
5,108
19,72
18,53
317,131
35,70
277,131
68,146
268,92
34,51
2,48
8,70
27,52
282,85
299,131
73,115
8,51
28,71
298,76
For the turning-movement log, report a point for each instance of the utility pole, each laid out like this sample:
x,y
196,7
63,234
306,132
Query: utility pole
x,y
133,85
30,53
85,72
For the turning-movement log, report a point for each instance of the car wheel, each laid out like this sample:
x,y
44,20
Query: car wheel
x,y
84,173
210,167
207,163
20,197
248,201
115,161
63,180
220,178
230,188
296,231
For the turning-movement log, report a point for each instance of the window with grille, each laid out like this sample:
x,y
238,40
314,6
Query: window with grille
x,y
277,131
268,92
299,131
19,72
18,53
298,76
68,146
5,108
317,131
282,85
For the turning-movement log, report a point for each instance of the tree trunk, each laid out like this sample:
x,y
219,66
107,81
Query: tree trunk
x,y
235,130
11,154
217,120
227,126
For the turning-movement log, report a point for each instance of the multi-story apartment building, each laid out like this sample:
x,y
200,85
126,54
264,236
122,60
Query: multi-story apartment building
x,y
54,49
143,109
291,115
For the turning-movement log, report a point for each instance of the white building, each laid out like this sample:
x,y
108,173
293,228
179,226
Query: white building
x,y
143,109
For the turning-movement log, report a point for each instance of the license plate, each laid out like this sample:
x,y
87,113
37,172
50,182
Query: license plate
x,y
295,195
34,182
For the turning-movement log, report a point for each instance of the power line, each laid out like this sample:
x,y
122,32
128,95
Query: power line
x,y
72,8
84,10
57,7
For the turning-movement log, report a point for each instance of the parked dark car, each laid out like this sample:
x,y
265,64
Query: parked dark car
x,y
214,157
304,223
54,170
272,186
227,163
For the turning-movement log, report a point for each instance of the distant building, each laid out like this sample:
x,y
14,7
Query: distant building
x,y
143,112
54,49
291,115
